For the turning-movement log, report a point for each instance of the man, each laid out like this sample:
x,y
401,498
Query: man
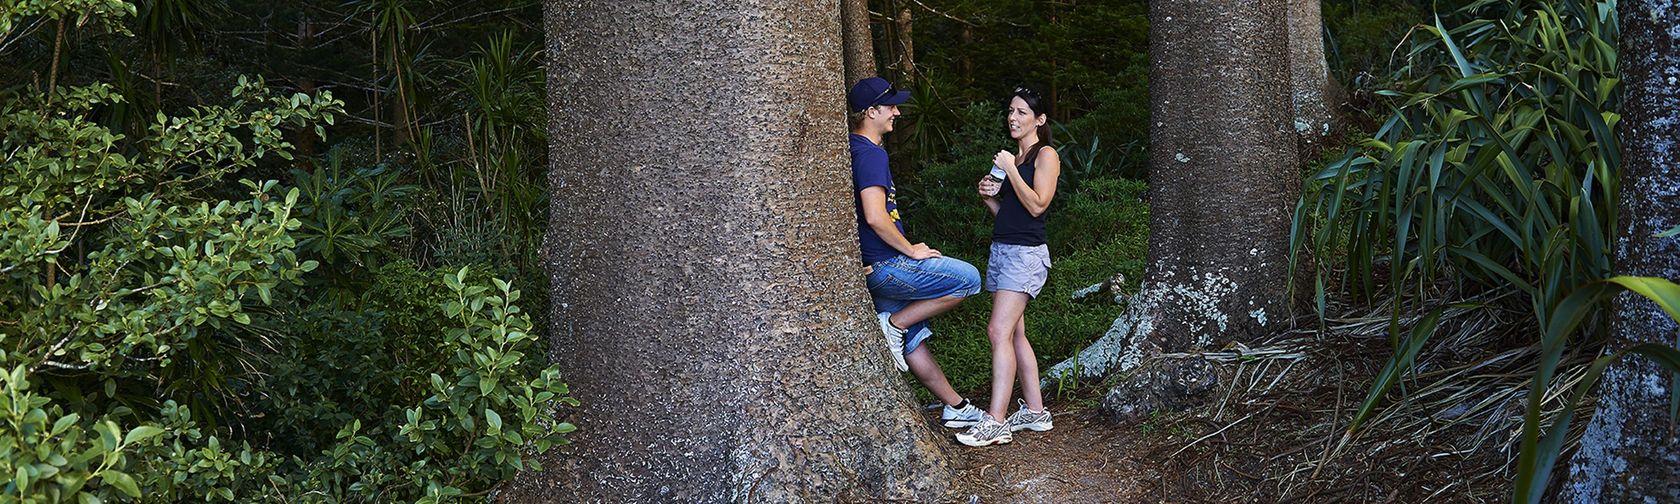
x,y
908,282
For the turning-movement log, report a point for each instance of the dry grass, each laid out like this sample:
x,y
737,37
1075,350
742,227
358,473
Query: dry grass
x,y
1447,433
1276,430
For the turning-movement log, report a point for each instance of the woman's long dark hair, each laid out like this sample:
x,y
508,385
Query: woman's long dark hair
x,y
1037,105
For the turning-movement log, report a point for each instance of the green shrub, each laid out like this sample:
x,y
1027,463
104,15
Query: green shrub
x,y
147,302
1498,167
162,338
351,219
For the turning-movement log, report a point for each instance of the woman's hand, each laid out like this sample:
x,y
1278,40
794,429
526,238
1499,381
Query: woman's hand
x,y
988,187
1005,160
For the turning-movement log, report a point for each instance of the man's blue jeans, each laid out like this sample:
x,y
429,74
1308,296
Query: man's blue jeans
x,y
900,280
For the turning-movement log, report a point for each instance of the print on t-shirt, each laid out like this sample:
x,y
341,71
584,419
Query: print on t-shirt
x,y
869,169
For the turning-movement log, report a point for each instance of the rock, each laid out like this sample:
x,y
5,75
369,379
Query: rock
x,y
1115,283
1110,290
1163,384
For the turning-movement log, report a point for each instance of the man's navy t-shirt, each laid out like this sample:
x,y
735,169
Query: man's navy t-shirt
x,y
869,169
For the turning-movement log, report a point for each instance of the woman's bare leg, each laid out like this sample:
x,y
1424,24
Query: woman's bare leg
x,y
1007,307
1026,366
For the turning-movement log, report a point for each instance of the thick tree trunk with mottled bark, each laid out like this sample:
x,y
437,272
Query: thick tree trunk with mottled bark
x,y
1313,92
1222,177
707,304
1628,453
1222,183
859,42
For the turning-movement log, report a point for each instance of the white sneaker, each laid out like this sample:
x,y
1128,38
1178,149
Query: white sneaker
x,y
895,340
988,432
966,415
1026,419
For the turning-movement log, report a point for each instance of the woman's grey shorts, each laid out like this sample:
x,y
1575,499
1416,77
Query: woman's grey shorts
x,y
1018,268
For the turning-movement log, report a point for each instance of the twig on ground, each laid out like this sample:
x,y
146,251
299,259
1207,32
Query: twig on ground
x,y
1214,433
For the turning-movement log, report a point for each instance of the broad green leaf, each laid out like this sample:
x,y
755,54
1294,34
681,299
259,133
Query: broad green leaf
x,y
122,481
1663,292
141,433
1458,56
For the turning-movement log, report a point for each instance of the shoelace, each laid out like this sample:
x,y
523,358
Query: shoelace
x,y
979,429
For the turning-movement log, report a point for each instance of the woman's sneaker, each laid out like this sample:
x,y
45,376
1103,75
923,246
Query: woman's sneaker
x,y
964,415
895,340
1038,421
988,432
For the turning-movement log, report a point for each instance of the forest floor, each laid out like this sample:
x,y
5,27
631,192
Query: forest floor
x,y
1274,430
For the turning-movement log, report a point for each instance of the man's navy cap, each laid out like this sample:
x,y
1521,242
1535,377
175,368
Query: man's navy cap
x,y
874,91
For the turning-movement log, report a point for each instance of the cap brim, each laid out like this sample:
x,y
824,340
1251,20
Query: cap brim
x,y
896,98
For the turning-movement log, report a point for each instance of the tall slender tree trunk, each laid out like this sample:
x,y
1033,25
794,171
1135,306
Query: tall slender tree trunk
x,y
1628,453
374,92
1222,184
904,61
401,111
708,309
906,44
52,73
1314,94
967,60
1055,70
859,42
305,138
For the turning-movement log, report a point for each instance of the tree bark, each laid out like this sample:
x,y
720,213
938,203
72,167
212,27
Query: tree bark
x,y
707,305
52,73
1222,184
906,45
859,42
1628,453
304,138
967,59
1314,94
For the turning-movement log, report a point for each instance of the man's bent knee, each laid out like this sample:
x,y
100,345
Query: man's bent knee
x,y
969,277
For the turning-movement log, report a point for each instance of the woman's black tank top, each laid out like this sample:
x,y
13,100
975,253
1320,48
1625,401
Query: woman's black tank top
x,y
1014,225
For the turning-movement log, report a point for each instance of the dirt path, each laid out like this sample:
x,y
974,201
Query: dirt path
x,y
1085,459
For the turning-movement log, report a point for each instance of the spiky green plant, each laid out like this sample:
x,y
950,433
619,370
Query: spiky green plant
x,y
505,130
1499,169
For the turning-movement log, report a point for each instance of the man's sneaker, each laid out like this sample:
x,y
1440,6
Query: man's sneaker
x,y
988,432
1024,418
964,415
895,340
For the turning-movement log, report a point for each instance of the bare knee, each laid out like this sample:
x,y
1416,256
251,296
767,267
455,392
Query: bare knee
x,y
1000,334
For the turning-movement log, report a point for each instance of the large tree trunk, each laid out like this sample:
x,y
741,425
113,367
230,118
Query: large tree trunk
x,y
1314,94
859,42
708,310
1222,184
1628,453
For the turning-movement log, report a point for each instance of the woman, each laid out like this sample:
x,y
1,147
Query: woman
x,y
1019,264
